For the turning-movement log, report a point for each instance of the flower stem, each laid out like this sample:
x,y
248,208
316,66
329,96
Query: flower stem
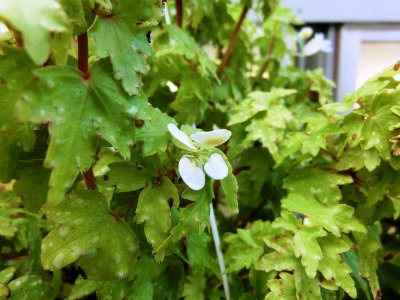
x,y
232,40
217,244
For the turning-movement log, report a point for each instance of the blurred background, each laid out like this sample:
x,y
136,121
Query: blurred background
x,y
365,37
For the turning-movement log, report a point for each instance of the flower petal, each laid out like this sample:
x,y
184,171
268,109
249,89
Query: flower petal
x,y
211,138
316,44
193,176
306,32
216,168
181,136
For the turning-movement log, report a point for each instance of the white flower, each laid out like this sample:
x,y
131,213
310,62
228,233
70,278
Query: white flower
x,y
306,32
211,138
215,167
181,137
193,176
316,44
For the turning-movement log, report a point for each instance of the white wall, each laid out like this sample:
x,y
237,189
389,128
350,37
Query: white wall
x,y
345,11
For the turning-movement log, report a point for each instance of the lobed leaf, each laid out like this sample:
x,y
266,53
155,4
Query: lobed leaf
x,y
87,231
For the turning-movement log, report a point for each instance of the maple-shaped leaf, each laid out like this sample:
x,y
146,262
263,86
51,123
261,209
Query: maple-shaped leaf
x,y
335,218
372,124
15,138
332,266
131,176
86,231
37,21
315,182
194,216
154,209
284,259
282,288
120,35
356,159
305,242
310,140
78,111
247,245
368,247
200,254
151,126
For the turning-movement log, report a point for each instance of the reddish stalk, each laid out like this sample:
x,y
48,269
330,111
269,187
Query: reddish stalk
x,y
83,66
179,12
267,61
83,54
232,40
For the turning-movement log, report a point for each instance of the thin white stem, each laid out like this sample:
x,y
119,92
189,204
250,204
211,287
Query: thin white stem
x,y
166,14
217,243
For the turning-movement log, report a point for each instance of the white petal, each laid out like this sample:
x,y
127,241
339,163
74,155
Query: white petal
x,y
216,168
306,32
316,44
193,176
180,136
211,138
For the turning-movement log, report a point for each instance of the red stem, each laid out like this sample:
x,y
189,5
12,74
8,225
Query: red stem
x,y
232,40
83,54
179,12
83,66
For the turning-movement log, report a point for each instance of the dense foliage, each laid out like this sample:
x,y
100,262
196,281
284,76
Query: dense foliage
x,y
92,201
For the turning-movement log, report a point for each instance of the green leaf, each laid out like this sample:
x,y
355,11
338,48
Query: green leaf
x,y
32,186
120,37
200,254
335,218
126,177
194,216
5,276
36,21
88,232
246,247
332,265
305,242
30,287
283,288
194,288
319,183
368,246
154,209
15,72
60,95
83,287
153,129
262,101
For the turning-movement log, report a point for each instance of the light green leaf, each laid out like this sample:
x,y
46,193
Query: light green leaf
x,y
120,37
62,94
319,183
36,20
283,288
194,288
154,209
87,231
246,246
332,265
335,218
305,242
